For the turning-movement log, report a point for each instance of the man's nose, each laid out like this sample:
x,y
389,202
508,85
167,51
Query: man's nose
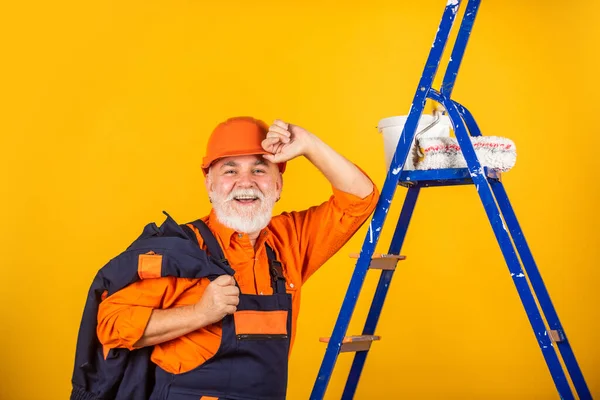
x,y
246,179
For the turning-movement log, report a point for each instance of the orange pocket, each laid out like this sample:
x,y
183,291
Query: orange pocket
x,y
149,265
250,322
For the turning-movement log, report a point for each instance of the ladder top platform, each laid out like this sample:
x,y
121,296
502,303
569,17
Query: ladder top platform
x,y
443,177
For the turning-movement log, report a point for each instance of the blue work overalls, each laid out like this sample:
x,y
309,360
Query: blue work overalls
x,y
252,360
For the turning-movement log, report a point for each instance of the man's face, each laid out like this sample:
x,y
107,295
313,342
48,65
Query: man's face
x,y
243,191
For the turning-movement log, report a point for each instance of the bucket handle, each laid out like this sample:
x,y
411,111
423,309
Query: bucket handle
x,y
437,113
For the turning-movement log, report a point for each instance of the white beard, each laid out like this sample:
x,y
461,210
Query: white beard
x,y
234,216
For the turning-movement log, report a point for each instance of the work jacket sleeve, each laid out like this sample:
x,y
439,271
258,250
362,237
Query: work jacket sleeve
x,y
123,316
324,229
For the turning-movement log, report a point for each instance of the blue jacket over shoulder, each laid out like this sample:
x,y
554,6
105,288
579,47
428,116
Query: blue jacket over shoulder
x,y
126,374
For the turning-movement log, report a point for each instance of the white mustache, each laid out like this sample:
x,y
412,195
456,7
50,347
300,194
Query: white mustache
x,y
245,192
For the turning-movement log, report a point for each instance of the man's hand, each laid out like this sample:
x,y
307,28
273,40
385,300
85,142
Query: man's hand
x,y
286,141
220,298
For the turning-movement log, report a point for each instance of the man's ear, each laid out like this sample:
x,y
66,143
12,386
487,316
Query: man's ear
x,y
279,185
208,182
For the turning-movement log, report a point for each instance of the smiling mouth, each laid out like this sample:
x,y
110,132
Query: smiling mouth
x,y
245,199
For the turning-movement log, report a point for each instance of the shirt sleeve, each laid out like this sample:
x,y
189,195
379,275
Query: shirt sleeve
x,y
123,316
324,229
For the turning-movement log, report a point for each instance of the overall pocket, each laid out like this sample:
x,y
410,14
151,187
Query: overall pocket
x,y
261,325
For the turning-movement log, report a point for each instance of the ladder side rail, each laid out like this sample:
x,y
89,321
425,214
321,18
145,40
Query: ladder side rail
x,y
385,199
487,198
381,292
460,45
468,118
410,201
540,290
531,269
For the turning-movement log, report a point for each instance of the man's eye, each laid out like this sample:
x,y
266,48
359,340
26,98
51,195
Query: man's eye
x,y
259,171
229,172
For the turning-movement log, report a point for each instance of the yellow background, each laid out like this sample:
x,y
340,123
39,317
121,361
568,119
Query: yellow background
x,y
106,107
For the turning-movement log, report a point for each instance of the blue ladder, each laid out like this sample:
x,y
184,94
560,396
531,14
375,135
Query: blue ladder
x,y
498,209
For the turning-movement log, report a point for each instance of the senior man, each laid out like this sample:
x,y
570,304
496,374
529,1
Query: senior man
x,y
230,337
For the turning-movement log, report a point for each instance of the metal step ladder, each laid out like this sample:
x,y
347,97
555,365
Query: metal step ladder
x,y
545,322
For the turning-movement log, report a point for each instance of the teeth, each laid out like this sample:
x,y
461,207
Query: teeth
x,y
245,198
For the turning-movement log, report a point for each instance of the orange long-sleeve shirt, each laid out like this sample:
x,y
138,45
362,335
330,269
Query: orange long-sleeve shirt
x,y
303,241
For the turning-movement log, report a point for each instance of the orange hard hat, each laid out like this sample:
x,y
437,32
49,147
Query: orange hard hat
x,y
238,136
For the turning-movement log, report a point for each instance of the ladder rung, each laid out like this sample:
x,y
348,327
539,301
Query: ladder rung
x,y
382,261
355,343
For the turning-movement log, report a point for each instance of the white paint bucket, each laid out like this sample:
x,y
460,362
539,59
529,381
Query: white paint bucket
x,y
392,127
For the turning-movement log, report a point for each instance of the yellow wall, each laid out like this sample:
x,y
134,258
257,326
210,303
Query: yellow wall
x,y
106,106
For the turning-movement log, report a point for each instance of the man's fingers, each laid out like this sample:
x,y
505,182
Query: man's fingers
x,y
274,158
270,141
232,300
280,130
281,124
273,146
281,136
231,291
225,280
230,309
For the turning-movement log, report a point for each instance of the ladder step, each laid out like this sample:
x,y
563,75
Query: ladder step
x,y
443,177
382,261
354,343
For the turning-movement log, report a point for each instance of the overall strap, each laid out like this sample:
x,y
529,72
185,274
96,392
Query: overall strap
x,y
276,270
212,245
275,267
